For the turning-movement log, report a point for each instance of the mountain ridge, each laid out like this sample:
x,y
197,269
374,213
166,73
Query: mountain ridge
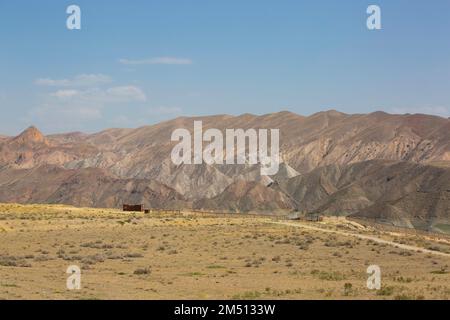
x,y
319,152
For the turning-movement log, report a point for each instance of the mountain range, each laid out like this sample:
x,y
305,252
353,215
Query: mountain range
x,y
392,169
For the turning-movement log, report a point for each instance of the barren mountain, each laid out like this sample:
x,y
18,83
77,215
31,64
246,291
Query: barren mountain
x,y
84,187
244,196
402,193
392,168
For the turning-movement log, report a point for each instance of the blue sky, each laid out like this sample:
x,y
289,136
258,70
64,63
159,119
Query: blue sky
x,y
139,62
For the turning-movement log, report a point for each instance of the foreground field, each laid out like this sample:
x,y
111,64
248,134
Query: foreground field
x,y
199,256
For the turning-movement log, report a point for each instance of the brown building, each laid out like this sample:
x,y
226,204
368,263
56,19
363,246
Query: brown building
x,y
133,207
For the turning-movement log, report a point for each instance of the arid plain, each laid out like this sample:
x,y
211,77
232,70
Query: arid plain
x,y
190,255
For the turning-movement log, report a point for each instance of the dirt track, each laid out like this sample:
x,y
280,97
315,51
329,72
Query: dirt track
x,y
362,236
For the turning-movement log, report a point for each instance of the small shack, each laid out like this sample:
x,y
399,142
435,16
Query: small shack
x,y
133,208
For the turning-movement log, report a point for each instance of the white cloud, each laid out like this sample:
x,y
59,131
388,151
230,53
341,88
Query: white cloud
x,y
71,109
158,60
131,93
79,102
437,111
82,80
102,96
64,94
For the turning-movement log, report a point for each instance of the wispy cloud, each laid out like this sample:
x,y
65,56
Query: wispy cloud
x,y
82,80
437,111
158,60
102,96
80,101
76,108
64,94
130,93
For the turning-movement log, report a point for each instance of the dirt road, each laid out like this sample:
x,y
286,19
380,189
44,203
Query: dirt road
x,y
362,236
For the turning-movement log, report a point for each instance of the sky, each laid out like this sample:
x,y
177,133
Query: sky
x,y
136,63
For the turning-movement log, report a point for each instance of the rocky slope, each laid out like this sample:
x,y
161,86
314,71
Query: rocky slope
x,y
392,168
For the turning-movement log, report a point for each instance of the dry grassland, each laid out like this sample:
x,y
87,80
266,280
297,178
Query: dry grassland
x,y
194,256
